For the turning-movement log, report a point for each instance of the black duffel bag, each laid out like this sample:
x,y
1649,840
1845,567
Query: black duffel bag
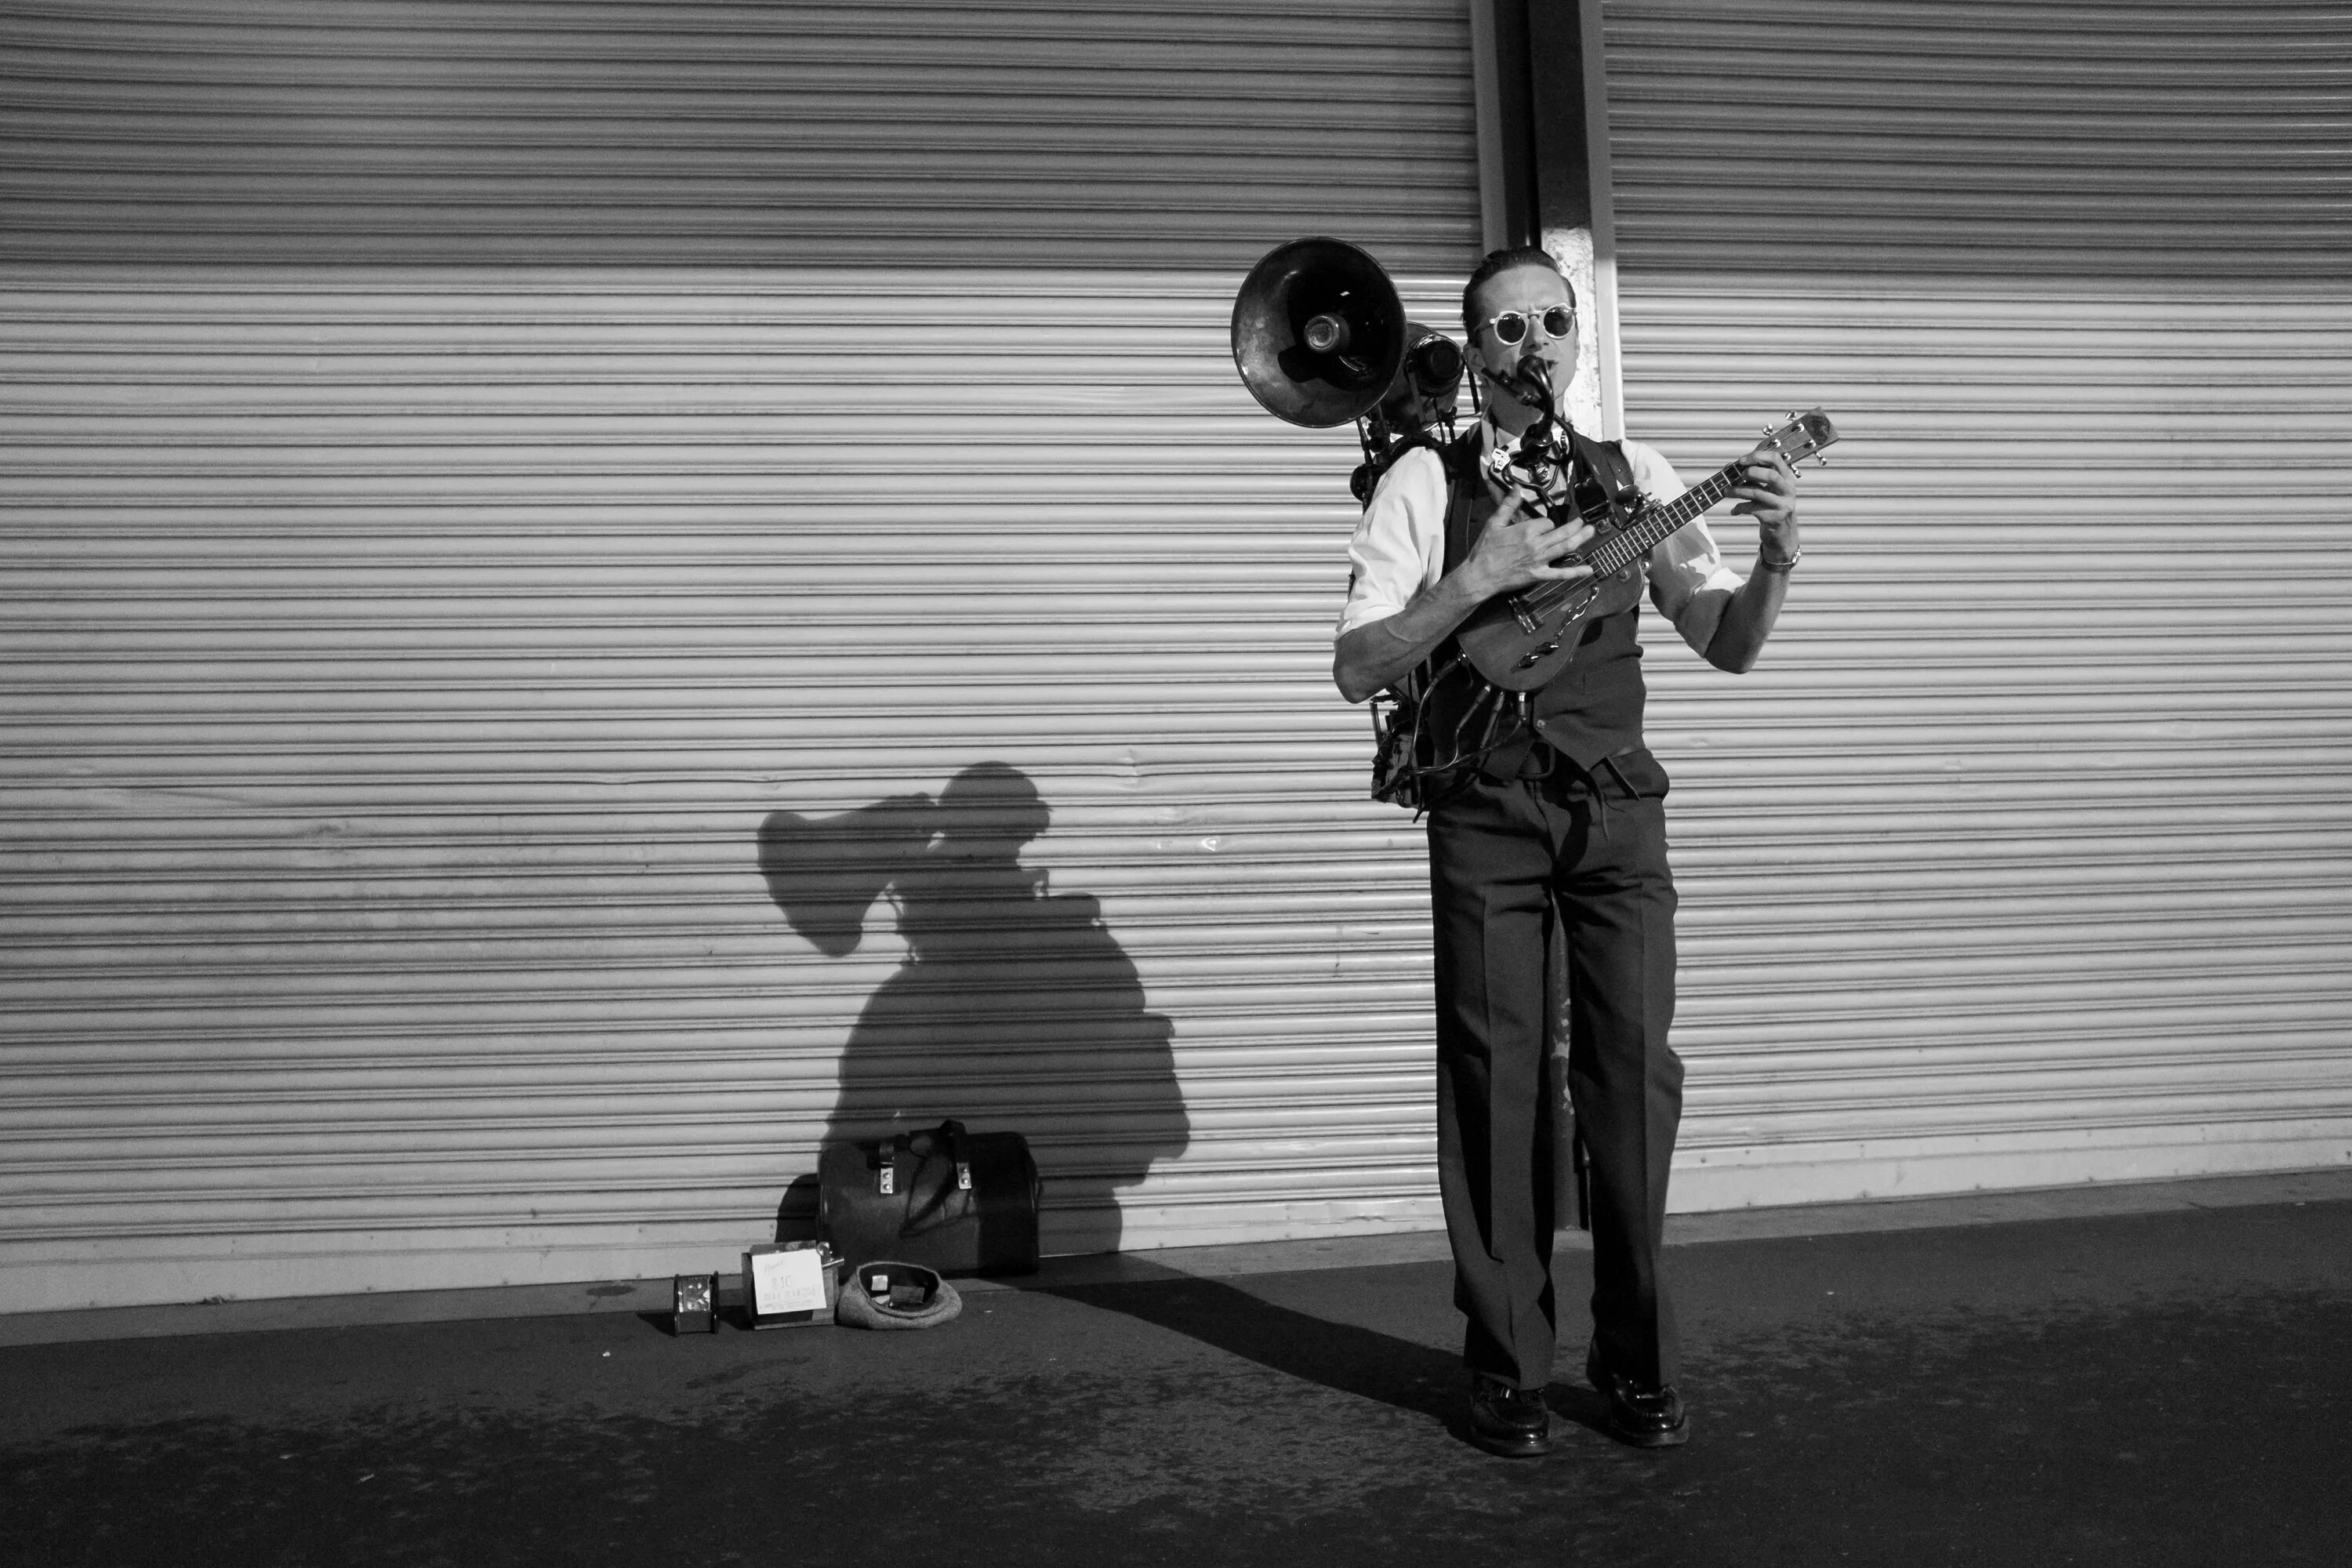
x,y
957,1202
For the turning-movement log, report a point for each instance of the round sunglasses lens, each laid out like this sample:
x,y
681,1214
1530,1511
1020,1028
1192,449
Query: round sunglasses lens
x,y
1559,320
1511,328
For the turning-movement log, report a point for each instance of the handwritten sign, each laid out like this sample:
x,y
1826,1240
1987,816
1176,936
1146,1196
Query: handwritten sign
x,y
787,1282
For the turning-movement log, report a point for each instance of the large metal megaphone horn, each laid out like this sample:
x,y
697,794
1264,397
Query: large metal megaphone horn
x,y
1318,333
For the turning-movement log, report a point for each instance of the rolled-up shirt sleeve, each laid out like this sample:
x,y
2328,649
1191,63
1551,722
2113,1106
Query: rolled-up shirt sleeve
x,y
1400,546
1686,563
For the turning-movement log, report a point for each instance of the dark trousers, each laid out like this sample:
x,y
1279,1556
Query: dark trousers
x,y
1506,860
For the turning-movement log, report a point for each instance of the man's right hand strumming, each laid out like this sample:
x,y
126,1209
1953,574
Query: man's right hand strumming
x,y
1513,550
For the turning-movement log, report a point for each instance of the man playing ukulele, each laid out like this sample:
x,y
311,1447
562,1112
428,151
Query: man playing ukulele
x,y
1564,821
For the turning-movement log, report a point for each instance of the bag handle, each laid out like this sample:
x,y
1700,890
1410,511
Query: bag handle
x,y
933,1213
886,1162
951,1130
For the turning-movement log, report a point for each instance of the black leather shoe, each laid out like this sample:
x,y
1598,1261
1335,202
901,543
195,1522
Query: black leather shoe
x,y
1645,1417
1512,1422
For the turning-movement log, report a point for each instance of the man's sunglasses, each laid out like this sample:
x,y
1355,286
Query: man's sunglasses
x,y
1511,328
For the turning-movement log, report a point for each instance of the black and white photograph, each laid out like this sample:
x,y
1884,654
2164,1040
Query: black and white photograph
x,y
1332,782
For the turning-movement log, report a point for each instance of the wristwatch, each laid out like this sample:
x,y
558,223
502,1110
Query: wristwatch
x,y
1778,568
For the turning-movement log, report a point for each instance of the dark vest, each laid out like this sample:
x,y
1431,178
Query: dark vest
x,y
1592,709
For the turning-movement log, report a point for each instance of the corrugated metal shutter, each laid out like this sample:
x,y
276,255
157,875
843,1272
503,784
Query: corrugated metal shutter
x,y
499,495
2026,857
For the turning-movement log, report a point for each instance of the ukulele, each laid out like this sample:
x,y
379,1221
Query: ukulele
x,y
1520,640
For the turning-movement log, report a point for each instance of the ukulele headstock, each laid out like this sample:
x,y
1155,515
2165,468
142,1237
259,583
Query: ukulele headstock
x,y
1803,435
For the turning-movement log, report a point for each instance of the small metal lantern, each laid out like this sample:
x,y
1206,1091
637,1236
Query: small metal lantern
x,y
695,1309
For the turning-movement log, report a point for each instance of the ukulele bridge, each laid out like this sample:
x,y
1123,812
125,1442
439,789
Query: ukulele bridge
x,y
1525,616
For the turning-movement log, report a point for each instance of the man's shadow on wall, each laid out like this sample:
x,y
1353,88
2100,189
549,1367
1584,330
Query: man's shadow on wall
x,y
1014,1008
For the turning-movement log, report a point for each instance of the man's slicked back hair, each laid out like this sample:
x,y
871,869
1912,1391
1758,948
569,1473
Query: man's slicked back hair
x,y
1503,260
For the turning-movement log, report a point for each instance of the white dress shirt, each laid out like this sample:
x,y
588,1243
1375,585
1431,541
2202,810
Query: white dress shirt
x,y
1400,546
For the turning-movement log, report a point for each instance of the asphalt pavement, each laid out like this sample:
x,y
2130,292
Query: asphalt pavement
x,y
2170,1386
